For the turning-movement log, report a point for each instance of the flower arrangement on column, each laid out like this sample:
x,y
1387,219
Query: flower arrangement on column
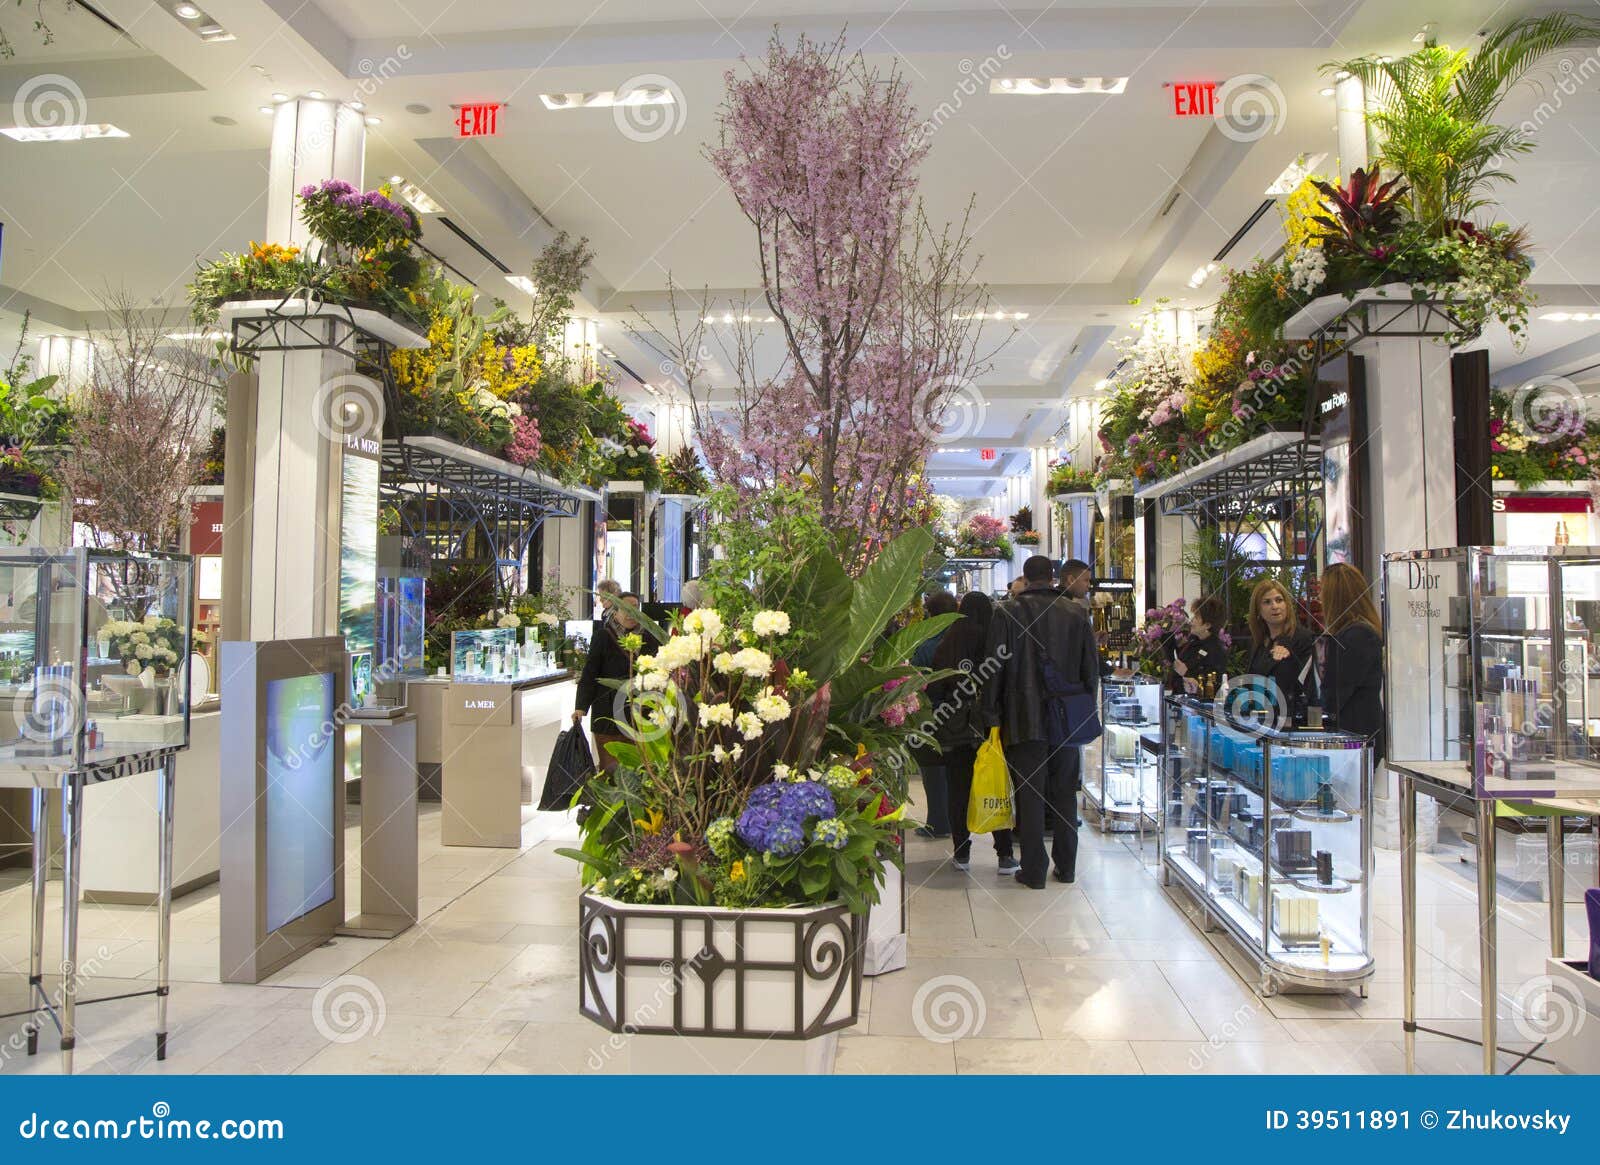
x,y
1022,531
982,536
360,255
31,421
1526,446
877,307
1067,478
682,473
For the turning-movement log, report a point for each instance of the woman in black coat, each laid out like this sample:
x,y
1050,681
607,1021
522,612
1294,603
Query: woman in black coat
x,y
1204,654
608,660
1352,650
957,704
1280,648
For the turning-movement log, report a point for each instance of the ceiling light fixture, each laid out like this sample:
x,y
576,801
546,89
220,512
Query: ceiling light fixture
x,y
1201,274
186,12
1573,317
280,98
358,106
62,133
1328,92
316,94
418,198
197,335
197,21
374,121
522,283
265,109
1295,173
606,98
1040,86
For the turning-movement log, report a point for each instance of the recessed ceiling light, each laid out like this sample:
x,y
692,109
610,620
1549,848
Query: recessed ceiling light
x,y
396,179
374,121
316,94
522,283
1328,92
606,98
1574,317
221,120
186,12
418,108
418,198
62,133
1040,86
266,109
280,97
358,106
1201,274
1102,384
197,335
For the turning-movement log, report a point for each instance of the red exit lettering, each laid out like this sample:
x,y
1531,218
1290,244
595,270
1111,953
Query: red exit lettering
x,y
478,121
1194,98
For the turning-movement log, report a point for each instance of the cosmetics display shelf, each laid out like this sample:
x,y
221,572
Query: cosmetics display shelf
x,y
1122,790
1270,831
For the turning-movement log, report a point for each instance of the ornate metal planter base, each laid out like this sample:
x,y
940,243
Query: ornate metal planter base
x,y
791,974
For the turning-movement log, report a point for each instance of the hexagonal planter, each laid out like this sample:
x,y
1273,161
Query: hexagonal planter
x,y
785,974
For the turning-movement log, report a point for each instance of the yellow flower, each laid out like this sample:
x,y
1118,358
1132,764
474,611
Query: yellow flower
x,y
736,872
651,824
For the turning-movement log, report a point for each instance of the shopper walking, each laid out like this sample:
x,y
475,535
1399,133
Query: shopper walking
x,y
1280,649
958,722
1077,580
1039,629
929,759
1205,654
1352,656
608,660
607,592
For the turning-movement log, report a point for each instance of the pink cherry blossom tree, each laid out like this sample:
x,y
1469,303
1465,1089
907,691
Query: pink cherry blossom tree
x,y
877,308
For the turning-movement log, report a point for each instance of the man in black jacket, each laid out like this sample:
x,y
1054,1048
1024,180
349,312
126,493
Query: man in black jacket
x,y
1039,624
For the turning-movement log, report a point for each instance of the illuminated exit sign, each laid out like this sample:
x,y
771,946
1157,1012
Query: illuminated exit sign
x,y
985,454
478,121
1194,98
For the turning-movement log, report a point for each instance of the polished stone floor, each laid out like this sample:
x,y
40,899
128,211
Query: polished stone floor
x,y
1111,975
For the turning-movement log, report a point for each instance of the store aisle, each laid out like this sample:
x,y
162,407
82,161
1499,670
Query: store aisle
x,y
1112,975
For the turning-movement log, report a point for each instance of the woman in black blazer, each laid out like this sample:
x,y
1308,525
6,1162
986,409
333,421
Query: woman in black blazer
x,y
1205,653
1280,648
1352,649
608,660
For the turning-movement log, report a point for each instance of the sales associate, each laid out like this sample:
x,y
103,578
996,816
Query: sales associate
x,y
608,660
1205,654
1280,649
1352,656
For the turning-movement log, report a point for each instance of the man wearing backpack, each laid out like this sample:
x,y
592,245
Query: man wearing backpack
x,y
1042,699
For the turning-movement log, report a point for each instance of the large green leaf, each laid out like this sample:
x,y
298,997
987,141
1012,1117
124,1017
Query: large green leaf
x,y
898,648
883,589
818,602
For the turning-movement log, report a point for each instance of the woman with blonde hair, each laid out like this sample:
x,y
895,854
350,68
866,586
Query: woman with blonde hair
x,y
1352,650
1280,649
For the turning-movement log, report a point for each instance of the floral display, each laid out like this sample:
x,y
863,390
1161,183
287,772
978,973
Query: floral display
x,y
31,421
1165,633
682,473
982,536
1553,444
1067,478
631,452
766,759
361,255
154,642
213,458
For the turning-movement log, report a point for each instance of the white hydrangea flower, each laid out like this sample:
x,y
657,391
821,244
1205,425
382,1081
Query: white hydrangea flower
x,y
716,714
652,681
679,651
753,662
703,621
750,726
772,708
508,620
770,623
548,619
723,662
144,651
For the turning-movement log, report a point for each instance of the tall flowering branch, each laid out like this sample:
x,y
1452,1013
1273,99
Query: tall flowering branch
x,y
877,308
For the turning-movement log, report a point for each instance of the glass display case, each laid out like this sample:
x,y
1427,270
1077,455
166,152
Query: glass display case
x,y
1270,831
94,657
495,656
1121,790
1491,674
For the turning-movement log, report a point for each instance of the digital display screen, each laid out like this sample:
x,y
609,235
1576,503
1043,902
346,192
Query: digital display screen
x,y
300,796
358,553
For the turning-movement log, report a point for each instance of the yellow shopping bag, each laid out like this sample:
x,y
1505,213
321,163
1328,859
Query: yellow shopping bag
x,y
989,807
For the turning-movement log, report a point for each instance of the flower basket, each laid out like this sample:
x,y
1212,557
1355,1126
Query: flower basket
x,y
1398,309
782,974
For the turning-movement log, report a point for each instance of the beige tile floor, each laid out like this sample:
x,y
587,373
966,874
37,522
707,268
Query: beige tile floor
x,y
1111,975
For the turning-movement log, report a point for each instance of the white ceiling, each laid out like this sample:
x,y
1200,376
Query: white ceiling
x,y
1081,203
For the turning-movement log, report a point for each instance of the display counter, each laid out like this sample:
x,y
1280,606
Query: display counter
x,y
1270,831
1121,792
496,739
120,859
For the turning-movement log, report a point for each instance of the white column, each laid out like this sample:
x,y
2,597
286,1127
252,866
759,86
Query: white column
x,y
673,428
294,547
1350,109
1411,444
